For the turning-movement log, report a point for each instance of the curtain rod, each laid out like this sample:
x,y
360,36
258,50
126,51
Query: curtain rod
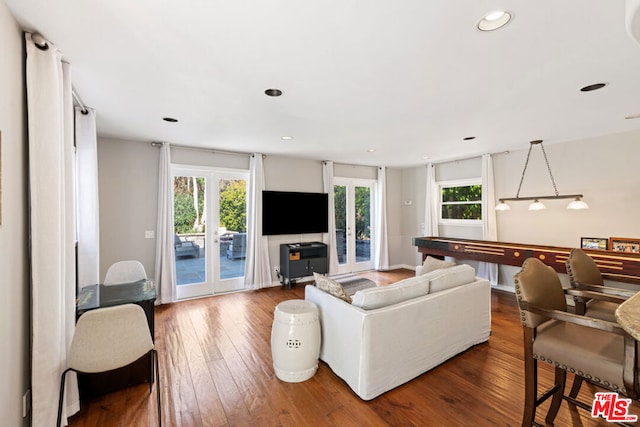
x,y
212,150
76,97
42,44
457,159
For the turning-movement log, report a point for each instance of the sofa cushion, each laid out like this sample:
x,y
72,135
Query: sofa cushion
x,y
446,278
382,296
331,287
430,264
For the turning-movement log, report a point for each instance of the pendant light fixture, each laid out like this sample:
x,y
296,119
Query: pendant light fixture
x,y
537,205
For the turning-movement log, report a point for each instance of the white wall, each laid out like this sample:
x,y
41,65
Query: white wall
x,y
128,197
14,264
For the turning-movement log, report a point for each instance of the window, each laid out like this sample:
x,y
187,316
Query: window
x,y
461,202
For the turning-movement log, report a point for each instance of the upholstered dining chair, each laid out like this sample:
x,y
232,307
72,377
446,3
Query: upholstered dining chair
x,y
599,351
110,338
584,274
125,272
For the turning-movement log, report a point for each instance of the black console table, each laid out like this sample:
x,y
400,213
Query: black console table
x,y
301,260
142,293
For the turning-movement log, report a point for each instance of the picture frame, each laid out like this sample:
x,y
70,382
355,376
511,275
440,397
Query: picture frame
x,y
624,244
596,243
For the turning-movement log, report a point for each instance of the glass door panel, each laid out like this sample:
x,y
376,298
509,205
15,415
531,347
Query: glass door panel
x,y
232,232
363,223
189,229
340,203
209,259
353,201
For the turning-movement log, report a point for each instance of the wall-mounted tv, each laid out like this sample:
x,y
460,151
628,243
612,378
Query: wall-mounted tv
x,y
289,212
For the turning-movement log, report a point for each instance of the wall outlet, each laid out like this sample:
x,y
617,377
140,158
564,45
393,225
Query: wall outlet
x,y
149,234
26,403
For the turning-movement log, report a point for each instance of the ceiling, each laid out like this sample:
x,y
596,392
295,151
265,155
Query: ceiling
x,y
409,79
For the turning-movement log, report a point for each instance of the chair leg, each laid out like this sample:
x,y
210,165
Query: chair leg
x,y
530,380
575,388
61,398
155,357
559,382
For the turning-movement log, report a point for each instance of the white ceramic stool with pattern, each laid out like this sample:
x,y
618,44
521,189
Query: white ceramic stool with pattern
x,y
295,340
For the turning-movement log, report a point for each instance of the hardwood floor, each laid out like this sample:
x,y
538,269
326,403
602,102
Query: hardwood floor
x,y
216,370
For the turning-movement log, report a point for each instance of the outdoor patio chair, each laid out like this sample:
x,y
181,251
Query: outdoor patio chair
x,y
185,248
237,248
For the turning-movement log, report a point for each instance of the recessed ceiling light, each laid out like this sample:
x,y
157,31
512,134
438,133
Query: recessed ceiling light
x,y
633,116
425,157
593,87
286,138
469,138
170,119
273,92
494,20
371,150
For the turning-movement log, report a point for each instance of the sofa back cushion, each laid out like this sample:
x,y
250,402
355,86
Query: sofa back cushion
x,y
447,278
383,296
430,264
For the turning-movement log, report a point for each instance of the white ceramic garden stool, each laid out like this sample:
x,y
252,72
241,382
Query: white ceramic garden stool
x,y
295,340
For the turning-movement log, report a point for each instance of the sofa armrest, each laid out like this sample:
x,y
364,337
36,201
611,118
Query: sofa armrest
x,y
341,326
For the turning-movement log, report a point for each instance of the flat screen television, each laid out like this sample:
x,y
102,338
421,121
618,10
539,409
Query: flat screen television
x,y
289,212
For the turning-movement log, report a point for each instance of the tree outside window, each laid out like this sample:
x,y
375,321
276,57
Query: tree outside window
x,y
462,202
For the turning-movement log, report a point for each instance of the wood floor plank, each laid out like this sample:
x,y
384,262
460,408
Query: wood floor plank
x,y
216,369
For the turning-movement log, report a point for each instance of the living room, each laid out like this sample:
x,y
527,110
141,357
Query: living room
x,y
600,166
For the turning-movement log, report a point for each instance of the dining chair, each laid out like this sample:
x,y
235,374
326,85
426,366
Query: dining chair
x,y
125,272
110,338
601,352
584,274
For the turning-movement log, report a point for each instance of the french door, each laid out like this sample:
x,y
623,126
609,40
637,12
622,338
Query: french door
x,y
353,201
209,215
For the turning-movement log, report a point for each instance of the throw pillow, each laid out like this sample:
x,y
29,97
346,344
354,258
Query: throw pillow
x,y
430,264
331,287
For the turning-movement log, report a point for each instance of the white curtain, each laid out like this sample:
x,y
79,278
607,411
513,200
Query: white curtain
x,y
165,274
488,270
87,197
431,206
257,272
52,229
381,250
329,238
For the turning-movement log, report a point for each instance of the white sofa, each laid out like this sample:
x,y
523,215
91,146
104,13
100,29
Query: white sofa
x,y
419,324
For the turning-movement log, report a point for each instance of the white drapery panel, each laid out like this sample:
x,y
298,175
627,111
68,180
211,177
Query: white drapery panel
x,y
87,197
488,270
381,249
257,272
329,238
52,229
165,272
431,206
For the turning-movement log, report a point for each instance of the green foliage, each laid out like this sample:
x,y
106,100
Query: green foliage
x,y
340,206
462,202
233,205
363,210
467,193
183,213
363,213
